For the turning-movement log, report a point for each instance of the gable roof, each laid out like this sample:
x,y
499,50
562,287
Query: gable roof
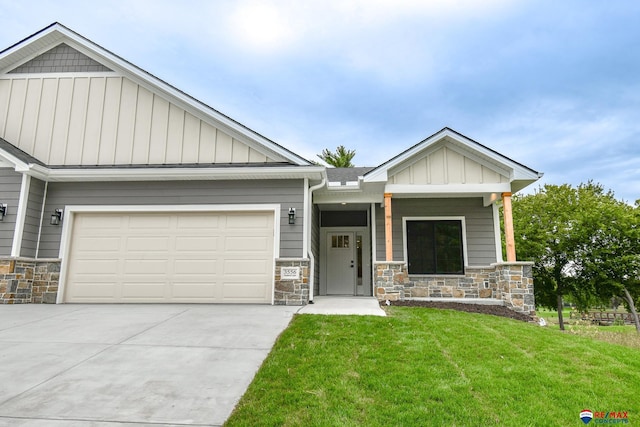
x,y
57,34
519,175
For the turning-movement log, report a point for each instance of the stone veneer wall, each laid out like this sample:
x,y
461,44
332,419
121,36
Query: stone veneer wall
x,y
25,280
292,291
511,283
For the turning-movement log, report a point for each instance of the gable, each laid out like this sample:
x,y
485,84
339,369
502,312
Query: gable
x,y
445,165
61,59
68,102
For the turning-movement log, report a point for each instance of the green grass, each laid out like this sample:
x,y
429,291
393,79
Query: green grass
x,y
423,367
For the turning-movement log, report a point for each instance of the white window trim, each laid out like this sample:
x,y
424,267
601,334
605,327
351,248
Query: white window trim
x,y
70,211
434,218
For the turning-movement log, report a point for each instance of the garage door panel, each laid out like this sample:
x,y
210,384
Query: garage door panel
x,y
149,221
242,243
148,290
171,257
194,290
195,266
196,243
98,244
95,291
198,222
147,243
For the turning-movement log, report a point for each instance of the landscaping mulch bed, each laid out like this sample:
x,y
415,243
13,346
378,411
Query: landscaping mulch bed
x,y
496,310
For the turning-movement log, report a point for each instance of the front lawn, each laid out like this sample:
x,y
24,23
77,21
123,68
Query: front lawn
x,y
422,367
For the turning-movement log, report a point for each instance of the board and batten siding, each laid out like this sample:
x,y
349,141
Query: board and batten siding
x,y
481,243
445,166
10,183
98,119
32,219
287,193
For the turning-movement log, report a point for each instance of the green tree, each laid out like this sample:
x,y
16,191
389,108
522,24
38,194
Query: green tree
x,y
562,230
613,267
341,158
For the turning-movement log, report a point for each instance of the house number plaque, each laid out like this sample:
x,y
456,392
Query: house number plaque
x,y
289,273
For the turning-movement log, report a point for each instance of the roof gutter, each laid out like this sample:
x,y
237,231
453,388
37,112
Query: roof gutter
x,y
307,220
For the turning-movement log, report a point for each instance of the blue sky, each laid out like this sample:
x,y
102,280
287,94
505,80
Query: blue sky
x,y
552,84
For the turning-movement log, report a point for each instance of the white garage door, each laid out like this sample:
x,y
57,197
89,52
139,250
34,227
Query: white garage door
x,y
212,257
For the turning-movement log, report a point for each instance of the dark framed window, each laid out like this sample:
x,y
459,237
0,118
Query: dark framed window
x,y
434,246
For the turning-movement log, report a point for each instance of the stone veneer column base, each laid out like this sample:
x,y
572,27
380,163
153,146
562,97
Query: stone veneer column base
x,y
511,283
291,291
27,280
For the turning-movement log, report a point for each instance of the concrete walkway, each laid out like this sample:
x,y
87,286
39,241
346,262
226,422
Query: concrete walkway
x,y
344,305
121,365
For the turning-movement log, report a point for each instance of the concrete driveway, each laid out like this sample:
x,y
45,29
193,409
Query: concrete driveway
x,y
107,365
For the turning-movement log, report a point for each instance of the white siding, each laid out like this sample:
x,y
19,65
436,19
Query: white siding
x,y
93,119
446,166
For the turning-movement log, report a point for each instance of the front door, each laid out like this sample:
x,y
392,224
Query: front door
x,y
341,263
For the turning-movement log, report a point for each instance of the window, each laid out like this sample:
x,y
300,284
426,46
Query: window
x,y
434,246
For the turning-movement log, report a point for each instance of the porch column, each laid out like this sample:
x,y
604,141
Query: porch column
x,y
508,227
388,236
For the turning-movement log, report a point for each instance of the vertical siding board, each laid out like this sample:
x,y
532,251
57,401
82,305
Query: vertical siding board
x,y
175,134
109,128
93,128
159,126
207,143
240,152
287,193
30,112
60,126
5,95
44,123
10,183
16,108
256,156
190,147
126,122
223,147
142,127
77,118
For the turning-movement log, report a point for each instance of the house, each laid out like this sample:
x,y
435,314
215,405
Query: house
x,y
117,187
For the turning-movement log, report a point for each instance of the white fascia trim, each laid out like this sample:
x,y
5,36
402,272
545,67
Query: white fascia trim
x,y
435,218
17,164
167,174
481,189
21,215
71,210
496,232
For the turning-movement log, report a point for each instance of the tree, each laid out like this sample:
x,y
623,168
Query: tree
x,y
341,158
614,265
565,232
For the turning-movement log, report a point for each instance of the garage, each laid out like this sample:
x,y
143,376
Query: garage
x,y
170,257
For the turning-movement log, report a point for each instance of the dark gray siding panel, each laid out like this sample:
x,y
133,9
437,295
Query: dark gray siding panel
x,y
287,193
10,182
32,219
481,244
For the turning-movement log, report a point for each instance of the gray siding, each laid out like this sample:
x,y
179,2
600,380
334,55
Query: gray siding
x,y
481,246
288,193
10,182
61,59
32,219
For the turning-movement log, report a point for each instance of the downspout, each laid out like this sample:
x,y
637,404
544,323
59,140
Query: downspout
x,y
307,220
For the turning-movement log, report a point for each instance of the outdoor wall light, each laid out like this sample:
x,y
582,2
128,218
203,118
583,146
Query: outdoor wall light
x,y
3,211
292,216
56,217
